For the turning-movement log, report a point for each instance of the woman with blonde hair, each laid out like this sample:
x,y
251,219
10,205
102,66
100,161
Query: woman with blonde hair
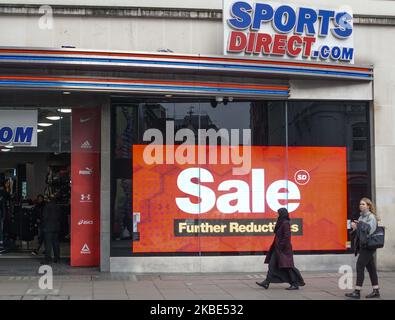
x,y
362,228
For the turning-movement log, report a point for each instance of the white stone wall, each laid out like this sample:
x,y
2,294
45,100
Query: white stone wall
x,y
369,7
132,34
374,45
255,264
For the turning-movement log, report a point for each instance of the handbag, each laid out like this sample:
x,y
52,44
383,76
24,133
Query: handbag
x,y
376,239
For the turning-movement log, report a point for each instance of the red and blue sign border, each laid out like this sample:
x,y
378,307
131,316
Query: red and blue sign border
x,y
179,63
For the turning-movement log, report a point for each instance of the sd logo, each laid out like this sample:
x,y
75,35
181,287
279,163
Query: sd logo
x,y
302,177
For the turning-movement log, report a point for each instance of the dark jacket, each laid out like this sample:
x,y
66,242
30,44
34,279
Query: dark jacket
x,y
38,214
51,217
282,246
359,236
2,204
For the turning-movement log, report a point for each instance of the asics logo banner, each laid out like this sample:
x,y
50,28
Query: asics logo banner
x,y
84,222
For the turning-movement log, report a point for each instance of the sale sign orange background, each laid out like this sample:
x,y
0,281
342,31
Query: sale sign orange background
x,y
207,208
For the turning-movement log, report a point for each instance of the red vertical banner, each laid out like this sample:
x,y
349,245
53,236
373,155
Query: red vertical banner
x,y
85,187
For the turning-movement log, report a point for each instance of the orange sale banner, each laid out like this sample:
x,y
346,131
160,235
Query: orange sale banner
x,y
192,206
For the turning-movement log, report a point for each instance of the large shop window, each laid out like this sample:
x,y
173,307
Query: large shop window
x,y
201,177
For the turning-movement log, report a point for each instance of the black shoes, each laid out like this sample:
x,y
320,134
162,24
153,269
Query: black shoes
x,y
263,284
356,294
374,294
292,287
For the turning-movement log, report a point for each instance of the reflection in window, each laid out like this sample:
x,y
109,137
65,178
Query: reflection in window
x,y
131,119
336,124
310,123
360,136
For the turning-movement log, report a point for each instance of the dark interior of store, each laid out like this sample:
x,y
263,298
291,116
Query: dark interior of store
x,y
26,174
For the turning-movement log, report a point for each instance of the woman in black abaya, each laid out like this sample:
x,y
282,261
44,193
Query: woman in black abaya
x,y
280,256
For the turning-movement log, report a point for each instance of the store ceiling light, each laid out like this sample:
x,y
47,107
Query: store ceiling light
x,y
53,118
64,110
10,147
5,150
40,130
44,124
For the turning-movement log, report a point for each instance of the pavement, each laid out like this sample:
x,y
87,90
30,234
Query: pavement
x,y
20,278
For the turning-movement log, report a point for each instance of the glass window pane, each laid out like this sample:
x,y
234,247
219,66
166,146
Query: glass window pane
x,y
335,128
168,226
331,136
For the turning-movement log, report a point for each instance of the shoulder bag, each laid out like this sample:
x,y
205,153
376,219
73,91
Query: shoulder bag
x,y
376,239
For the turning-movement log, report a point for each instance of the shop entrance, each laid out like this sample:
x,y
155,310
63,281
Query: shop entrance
x,y
30,176
25,186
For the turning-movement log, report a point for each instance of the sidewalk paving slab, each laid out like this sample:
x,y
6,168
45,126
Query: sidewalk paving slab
x,y
170,284
33,297
76,297
110,297
215,297
40,292
233,286
146,297
10,297
63,297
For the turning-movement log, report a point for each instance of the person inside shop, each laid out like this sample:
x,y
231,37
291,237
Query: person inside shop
x,y
38,217
362,228
51,228
280,256
6,240
2,212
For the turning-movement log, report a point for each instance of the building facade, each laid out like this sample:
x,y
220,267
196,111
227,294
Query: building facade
x,y
149,79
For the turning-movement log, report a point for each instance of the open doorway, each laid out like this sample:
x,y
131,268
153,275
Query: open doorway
x,y
29,175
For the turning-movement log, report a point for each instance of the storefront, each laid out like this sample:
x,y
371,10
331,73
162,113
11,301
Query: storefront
x,y
179,162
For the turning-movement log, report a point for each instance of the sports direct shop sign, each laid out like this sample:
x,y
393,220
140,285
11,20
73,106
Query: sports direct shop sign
x,y
265,28
206,208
